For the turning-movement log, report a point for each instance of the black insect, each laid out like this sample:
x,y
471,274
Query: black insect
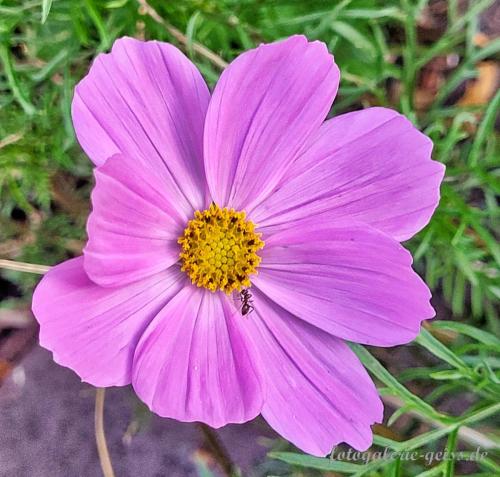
x,y
246,302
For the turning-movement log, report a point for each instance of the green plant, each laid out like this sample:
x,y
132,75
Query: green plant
x,y
45,179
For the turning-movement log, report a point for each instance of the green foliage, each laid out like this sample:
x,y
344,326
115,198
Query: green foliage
x,y
46,47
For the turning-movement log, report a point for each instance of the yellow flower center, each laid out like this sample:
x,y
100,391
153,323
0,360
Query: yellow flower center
x,y
219,249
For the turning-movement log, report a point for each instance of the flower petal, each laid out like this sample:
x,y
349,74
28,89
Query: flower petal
x,y
318,393
134,225
94,330
349,280
194,363
371,165
265,106
148,101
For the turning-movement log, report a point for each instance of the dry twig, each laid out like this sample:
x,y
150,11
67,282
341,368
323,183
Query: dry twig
x,y
147,9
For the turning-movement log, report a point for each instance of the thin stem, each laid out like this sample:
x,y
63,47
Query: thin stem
x,y
23,266
449,470
180,37
218,450
100,438
465,434
6,62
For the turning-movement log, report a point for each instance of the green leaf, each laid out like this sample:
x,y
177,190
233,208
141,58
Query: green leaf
x,y
433,472
46,4
372,13
316,462
446,375
485,128
353,36
438,349
397,414
394,385
469,330
5,59
424,439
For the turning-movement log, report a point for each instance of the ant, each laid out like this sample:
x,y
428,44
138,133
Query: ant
x,y
246,302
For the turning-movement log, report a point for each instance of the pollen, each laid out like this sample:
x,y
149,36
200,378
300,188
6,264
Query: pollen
x,y
219,249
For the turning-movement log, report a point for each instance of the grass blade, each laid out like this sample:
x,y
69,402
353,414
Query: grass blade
x,y
46,4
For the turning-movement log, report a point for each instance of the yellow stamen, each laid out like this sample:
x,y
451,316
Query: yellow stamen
x,y
219,249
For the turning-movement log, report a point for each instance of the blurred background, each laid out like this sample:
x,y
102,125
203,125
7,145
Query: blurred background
x,y
436,61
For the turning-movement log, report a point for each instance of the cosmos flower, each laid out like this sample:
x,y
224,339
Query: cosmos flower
x,y
200,196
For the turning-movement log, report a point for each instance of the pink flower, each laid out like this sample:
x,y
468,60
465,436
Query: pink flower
x,y
326,203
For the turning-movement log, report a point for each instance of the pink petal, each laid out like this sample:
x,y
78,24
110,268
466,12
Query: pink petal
x,y
318,393
134,225
349,280
148,101
94,330
372,166
194,363
265,106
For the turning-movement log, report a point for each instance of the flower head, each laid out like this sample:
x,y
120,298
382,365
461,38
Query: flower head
x,y
219,249
246,197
